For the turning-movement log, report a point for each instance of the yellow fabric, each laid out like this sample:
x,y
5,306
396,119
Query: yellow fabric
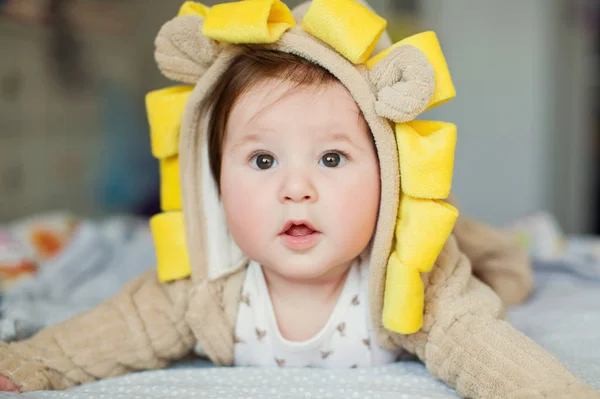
x,y
404,289
249,21
426,152
346,25
170,187
193,8
165,109
429,44
422,229
426,158
172,262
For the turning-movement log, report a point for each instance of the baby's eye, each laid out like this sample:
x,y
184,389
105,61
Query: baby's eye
x,y
333,159
263,161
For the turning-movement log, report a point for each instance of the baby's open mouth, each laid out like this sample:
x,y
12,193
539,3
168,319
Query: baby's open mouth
x,y
299,230
300,235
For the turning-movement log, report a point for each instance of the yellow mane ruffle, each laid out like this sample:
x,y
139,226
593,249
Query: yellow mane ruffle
x,y
165,109
425,222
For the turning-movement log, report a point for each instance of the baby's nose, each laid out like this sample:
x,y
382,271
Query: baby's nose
x,y
292,198
298,187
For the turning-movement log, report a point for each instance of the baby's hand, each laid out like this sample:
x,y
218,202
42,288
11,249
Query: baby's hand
x,y
6,385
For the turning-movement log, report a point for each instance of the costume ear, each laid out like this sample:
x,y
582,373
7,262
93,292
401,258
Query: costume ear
x,y
405,83
182,52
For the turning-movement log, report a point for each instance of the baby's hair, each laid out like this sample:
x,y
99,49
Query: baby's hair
x,y
248,68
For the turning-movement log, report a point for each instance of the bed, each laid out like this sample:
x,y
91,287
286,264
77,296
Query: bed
x,y
563,316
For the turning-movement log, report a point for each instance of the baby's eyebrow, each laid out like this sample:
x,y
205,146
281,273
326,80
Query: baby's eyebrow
x,y
342,137
338,137
246,139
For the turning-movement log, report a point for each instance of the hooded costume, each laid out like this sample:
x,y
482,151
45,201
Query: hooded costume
x,y
424,295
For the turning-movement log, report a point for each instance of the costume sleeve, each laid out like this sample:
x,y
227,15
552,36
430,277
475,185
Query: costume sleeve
x,y
496,259
465,343
142,327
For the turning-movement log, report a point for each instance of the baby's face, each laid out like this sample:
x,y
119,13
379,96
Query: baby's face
x,y
299,179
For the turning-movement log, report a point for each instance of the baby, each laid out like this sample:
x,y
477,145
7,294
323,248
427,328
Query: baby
x,y
289,171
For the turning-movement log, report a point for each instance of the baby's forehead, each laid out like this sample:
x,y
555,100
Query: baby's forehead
x,y
283,101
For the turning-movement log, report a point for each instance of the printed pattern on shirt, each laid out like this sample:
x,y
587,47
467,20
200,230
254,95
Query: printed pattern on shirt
x,y
344,341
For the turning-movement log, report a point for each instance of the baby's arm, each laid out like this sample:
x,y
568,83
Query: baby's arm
x,y
143,327
465,343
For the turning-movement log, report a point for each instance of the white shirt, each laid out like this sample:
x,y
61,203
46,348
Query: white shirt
x,y
345,341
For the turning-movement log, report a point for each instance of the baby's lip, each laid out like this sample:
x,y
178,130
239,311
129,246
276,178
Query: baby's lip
x,y
291,223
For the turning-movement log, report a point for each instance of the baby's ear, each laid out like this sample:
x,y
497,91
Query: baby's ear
x,y
405,83
182,52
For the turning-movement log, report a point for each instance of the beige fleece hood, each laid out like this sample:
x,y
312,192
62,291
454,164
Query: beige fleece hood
x,y
392,85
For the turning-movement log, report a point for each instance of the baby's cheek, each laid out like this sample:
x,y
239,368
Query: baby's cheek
x,y
245,213
356,211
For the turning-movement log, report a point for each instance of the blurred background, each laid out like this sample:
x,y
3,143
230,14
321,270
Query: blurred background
x,y
74,134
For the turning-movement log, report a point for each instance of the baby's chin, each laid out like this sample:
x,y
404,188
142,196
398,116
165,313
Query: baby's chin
x,y
304,268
